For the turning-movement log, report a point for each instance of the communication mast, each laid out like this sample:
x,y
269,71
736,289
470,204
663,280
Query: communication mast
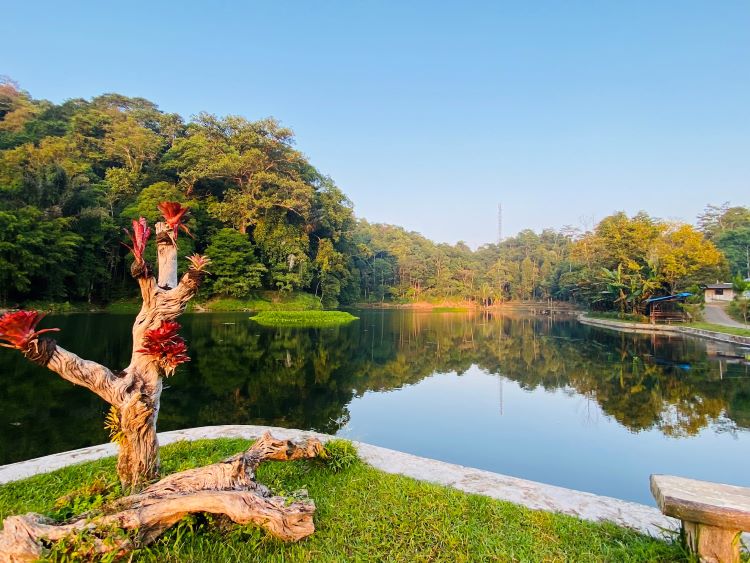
x,y
499,223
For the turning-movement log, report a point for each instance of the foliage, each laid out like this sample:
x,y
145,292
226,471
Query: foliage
x,y
174,214
72,174
113,425
339,455
362,514
18,328
619,316
198,263
236,270
265,301
166,346
307,319
139,238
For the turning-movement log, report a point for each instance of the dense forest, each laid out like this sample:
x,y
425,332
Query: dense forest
x,y
72,175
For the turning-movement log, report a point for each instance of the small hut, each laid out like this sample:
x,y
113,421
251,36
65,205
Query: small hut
x,y
718,292
666,309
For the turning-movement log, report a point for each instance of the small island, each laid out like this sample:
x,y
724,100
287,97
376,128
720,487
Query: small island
x,y
303,319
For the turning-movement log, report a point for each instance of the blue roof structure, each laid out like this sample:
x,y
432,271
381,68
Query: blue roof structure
x,y
676,297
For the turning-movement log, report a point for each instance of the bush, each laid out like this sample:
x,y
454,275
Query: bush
x,y
340,455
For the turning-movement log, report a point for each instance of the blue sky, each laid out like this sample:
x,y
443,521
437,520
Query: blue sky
x,y
427,114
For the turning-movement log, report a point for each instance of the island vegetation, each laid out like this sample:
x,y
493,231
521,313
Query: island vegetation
x,y
303,319
72,174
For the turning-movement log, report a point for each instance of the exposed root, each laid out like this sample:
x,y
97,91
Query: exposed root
x,y
227,487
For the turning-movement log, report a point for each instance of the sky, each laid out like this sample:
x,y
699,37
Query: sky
x,y
429,114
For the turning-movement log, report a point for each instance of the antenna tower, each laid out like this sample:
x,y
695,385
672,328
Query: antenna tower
x,y
499,223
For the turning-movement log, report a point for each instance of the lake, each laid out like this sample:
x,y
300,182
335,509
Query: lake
x,y
541,398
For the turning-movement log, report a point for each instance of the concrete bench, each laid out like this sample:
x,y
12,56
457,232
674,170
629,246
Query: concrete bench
x,y
713,515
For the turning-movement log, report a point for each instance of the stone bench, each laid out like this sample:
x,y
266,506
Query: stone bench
x,y
713,515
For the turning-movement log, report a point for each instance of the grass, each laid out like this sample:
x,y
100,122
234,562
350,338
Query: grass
x,y
362,515
617,316
265,301
59,307
450,310
303,319
736,331
124,306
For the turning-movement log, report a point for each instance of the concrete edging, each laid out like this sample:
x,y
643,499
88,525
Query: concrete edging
x,y
531,494
649,328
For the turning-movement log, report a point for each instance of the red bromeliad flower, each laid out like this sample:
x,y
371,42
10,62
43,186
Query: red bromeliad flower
x,y
198,262
19,328
139,237
173,213
166,346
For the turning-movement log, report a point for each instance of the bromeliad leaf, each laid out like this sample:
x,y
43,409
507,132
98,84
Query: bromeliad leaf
x,y
173,214
198,262
18,328
139,237
166,346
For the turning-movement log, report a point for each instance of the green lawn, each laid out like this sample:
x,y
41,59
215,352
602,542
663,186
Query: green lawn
x,y
617,316
720,328
303,319
362,515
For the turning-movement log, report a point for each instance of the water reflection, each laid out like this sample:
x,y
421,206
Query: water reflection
x,y
245,374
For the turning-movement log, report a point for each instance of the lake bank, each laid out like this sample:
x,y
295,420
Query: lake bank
x,y
372,510
541,388
647,328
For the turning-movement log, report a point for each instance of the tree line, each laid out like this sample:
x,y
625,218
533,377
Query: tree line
x,y
73,174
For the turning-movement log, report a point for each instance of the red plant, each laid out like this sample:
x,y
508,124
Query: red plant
x,y
19,328
173,213
198,262
139,237
166,346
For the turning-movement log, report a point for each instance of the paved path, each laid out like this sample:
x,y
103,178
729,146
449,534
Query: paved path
x,y
716,314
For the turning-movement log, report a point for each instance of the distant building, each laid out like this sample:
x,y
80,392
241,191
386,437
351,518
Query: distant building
x,y
718,292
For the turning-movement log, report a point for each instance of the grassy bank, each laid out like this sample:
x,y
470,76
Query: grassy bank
x,y
260,301
263,301
303,319
736,331
362,515
617,316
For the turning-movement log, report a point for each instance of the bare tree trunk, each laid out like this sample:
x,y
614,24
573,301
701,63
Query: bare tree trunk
x,y
135,391
227,488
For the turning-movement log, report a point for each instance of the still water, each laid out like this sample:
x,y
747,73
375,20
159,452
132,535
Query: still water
x,y
544,399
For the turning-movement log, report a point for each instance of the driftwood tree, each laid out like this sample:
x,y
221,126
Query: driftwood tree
x,y
134,394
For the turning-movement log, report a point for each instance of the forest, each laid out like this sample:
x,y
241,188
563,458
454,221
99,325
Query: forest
x,y
73,175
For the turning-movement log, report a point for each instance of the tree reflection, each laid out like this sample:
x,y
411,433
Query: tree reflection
x,y
305,378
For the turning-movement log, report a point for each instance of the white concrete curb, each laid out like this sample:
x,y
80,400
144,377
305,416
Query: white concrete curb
x,y
649,328
538,496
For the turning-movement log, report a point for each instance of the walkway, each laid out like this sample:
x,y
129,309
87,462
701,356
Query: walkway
x,y
715,314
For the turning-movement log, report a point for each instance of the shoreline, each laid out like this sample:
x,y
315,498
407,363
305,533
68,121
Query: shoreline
x,y
531,494
644,328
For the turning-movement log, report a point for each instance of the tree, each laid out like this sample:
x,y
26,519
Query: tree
x,y
236,271
735,244
134,395
716,219
681,253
